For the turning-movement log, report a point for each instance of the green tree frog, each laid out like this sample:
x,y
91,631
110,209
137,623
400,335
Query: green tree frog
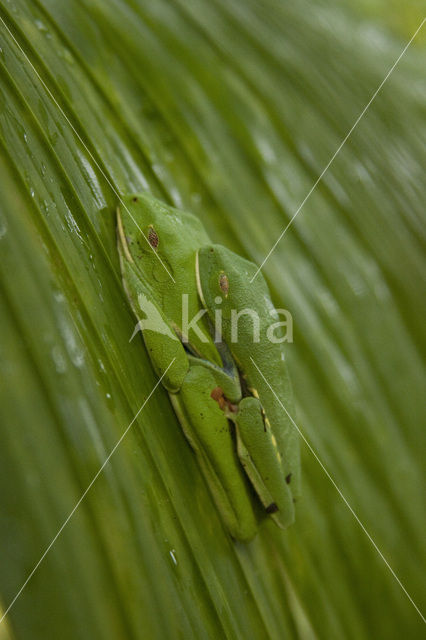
x,y
185,293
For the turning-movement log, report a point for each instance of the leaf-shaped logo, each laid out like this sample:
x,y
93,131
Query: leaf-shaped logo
x,y
153,320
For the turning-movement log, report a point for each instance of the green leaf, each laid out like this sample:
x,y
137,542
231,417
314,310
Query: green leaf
x,y
231,110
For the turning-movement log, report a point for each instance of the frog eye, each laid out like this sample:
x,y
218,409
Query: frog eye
x,y
224,283
153,238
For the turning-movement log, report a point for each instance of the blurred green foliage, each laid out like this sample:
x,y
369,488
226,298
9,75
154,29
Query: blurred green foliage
x,y
231,110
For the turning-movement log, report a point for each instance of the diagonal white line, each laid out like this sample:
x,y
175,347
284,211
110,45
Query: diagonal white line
x,y
80,500
339,148
312,450
96,163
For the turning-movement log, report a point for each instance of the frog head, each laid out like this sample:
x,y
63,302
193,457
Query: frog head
x,y
157,245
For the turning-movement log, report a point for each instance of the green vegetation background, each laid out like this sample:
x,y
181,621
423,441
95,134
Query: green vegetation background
x,y
231,110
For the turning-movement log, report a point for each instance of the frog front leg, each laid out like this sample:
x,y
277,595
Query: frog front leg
x,y
209,433
258,452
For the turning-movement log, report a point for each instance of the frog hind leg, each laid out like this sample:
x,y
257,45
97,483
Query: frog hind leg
x,y
209,434
258,453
